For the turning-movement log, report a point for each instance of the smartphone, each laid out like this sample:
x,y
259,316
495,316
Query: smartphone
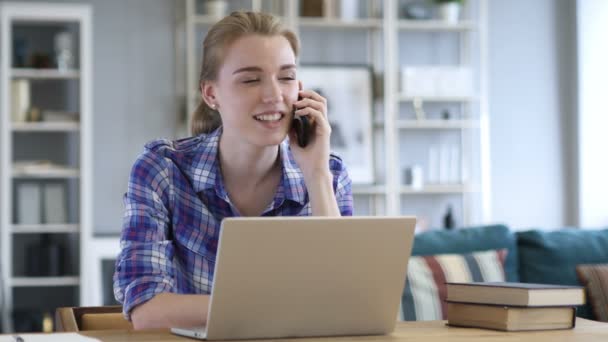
x,y
302,127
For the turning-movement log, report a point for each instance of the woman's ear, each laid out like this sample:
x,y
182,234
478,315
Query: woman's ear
x,y
207,89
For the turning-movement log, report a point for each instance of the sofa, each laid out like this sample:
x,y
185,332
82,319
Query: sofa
x,y
532,256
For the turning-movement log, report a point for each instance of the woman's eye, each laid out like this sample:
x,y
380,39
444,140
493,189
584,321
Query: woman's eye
x,y
289,78
251,80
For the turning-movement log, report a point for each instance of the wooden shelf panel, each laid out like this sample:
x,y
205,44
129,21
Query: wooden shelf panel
x,y
437,124
408,98
340,24
58,173
202,19
368,189
44,281
436,189
44,228
44,73
435,25
45,126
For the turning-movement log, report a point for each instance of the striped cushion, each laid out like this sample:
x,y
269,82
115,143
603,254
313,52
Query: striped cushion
x,y
425,290
595,280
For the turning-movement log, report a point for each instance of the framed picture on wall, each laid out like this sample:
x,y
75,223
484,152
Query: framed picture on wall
x,y
349,93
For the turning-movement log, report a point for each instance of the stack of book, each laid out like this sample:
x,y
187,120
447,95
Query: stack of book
x,y
513,306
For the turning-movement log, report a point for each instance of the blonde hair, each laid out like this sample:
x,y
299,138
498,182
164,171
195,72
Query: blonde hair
x,y
219,37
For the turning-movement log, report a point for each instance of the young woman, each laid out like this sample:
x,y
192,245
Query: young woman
x,y
242,160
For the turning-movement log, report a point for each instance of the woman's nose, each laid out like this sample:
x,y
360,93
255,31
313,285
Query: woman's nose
x,y
272,92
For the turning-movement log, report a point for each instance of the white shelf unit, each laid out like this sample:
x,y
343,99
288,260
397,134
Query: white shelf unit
x,y
34,22
385,197
470,126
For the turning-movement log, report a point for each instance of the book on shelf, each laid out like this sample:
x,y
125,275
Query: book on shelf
x,y
28,203
55,203
20,100
515,294
511,318
59,116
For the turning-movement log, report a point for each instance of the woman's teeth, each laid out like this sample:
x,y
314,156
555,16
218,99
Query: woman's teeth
x,y
268,117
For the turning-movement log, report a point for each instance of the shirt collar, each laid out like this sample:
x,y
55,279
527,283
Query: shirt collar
x,y
206,172
205,167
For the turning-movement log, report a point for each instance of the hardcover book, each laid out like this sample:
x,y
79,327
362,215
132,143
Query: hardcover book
x,y
516,294
509,318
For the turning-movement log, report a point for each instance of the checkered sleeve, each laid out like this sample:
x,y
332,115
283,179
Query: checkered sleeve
x,y
342,185
144,266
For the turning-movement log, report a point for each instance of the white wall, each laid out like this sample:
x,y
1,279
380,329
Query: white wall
x,y
134,94
592,27
531,111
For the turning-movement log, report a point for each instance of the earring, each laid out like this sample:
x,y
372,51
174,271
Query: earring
x,y
213,106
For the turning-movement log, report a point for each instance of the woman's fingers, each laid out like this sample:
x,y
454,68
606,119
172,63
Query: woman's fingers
x,y
312,99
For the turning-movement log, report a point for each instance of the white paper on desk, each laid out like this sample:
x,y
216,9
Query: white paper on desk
x,y
64,337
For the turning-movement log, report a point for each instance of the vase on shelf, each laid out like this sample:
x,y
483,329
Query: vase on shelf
x,y
216,8
449,11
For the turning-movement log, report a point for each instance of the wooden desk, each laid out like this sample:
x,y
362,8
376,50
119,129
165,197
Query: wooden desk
x,y
430,331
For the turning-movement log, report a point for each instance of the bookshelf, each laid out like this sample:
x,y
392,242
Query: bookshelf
x,y
391,43
46,161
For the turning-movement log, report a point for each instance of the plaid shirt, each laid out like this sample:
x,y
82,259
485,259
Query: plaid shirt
x,y
174,204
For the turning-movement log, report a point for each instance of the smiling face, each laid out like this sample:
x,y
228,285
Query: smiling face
x,y
255,88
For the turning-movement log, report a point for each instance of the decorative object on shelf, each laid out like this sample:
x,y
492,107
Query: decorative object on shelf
x,y
55,203
216,8
433,177
418,109
418,81
449,10
64,51
349,93
336,139
448,219
41,60
454,174
445,114
437,81
444,162
45,258
29,197
416,10
20,100
59,116
330,8
19,53
312,8
47,322
413,176
448,164
27,320
454,81
34,114
349,10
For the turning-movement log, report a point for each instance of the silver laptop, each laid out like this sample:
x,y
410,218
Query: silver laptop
x,y
286,277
